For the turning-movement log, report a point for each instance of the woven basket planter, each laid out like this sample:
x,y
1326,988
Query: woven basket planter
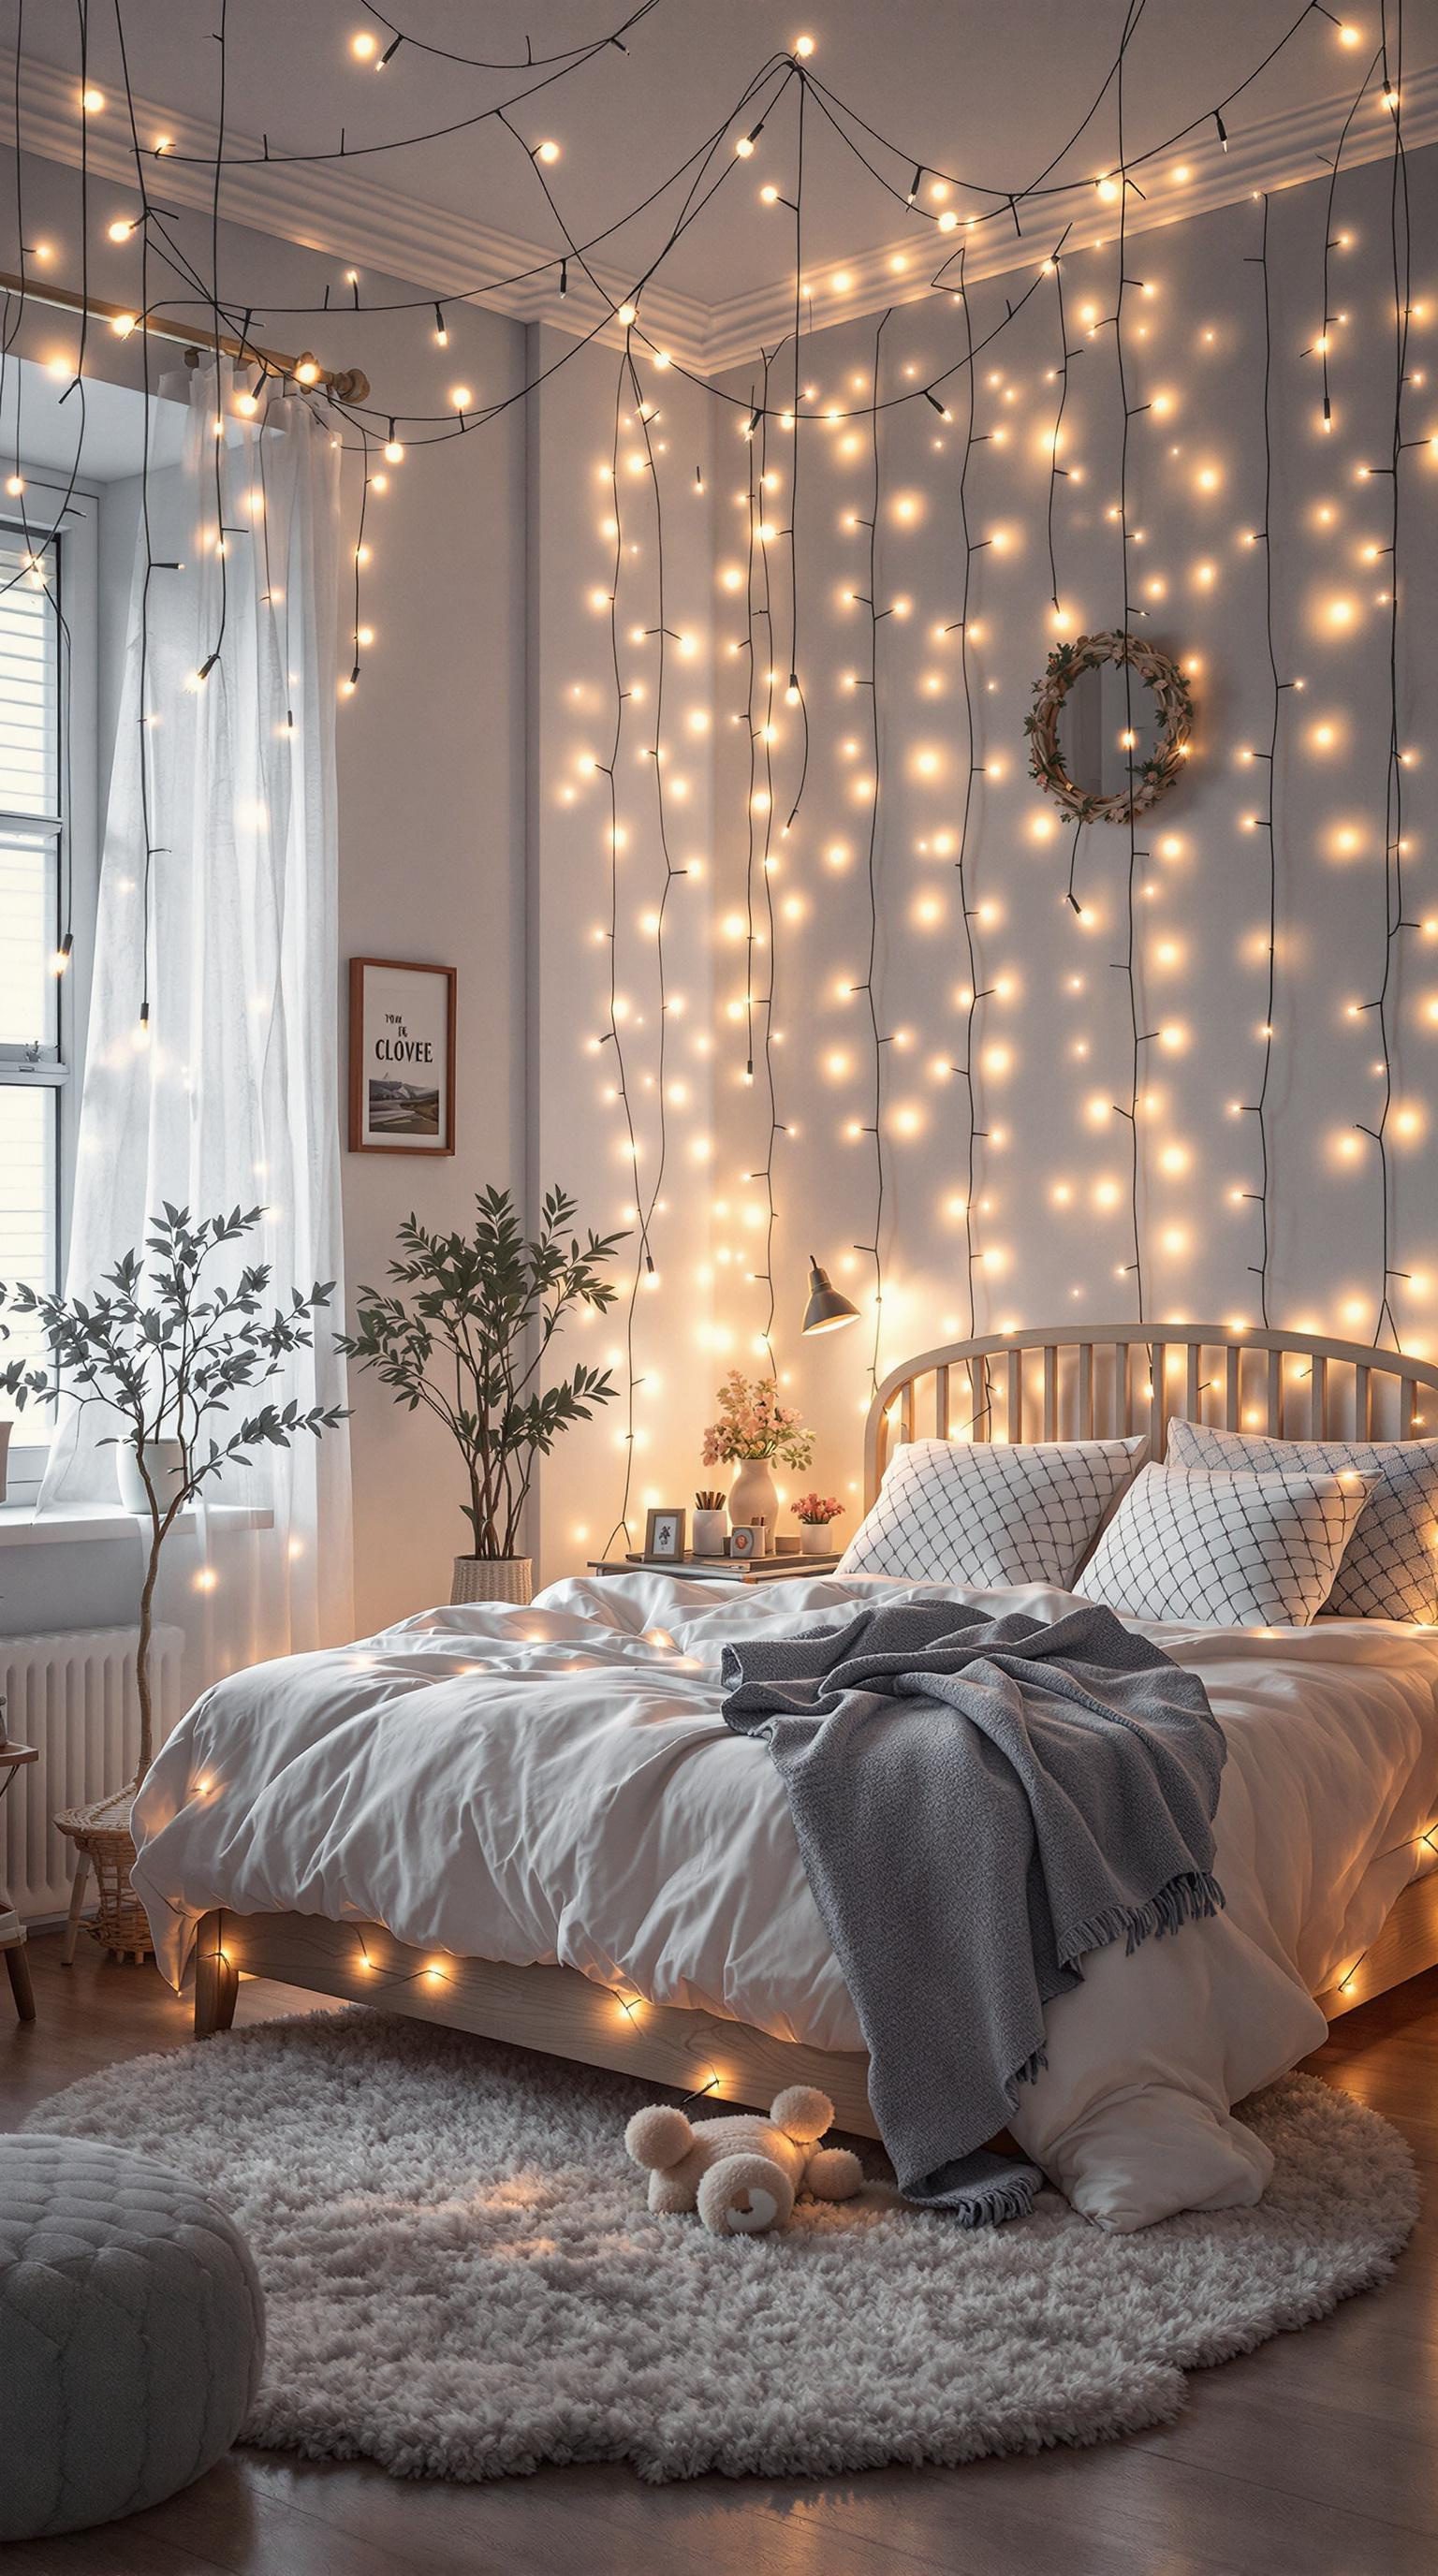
x,y
493,1578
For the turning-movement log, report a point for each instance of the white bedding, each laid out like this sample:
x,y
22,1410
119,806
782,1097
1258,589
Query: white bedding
x,y
556,1784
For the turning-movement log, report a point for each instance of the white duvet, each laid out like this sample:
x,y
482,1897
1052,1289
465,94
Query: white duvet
x,y
557,1785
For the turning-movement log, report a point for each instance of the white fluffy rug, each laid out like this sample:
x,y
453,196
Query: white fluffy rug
x,y
463,2280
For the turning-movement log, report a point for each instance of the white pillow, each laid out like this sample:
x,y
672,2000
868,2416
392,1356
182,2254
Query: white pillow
x,y
1390,1567
981,1512
1236,1551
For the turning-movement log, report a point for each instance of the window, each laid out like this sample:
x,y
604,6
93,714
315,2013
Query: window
x,y
40,686
32,826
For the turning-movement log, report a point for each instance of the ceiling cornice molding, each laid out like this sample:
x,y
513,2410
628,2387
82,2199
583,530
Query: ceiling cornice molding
x,y
1289,149
348,216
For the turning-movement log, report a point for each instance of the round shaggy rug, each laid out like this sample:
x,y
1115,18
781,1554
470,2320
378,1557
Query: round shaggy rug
x,y
463,2279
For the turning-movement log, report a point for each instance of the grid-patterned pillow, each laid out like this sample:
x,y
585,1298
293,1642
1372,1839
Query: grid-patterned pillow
x,y
1390,1567
1236,1551
980,1512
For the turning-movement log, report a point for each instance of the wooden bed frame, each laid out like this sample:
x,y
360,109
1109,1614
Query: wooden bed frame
x,y
1045,1384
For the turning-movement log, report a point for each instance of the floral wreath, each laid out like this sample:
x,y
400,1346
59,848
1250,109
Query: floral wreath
x,y
1175,708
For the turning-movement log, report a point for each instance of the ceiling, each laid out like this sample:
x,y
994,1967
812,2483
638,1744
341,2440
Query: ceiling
x,y
986,89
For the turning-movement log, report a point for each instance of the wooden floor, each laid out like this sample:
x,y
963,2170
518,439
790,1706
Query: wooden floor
x,y
1316,2456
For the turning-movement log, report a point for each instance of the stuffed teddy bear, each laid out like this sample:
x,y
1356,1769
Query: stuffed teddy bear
x,y
741,2173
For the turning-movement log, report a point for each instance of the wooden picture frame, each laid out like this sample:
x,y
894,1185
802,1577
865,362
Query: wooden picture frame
x,y
664,1529
402,1016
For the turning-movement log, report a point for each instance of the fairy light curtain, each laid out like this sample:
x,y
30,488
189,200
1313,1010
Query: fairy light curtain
x,y
211,1064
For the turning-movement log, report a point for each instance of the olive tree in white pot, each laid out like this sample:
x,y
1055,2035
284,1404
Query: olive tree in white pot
x,y
469,1345
172,1354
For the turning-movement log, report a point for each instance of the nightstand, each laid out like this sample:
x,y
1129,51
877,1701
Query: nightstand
x,y
13,1758
719,1569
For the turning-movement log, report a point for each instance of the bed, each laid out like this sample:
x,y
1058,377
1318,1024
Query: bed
x,y
1347,1840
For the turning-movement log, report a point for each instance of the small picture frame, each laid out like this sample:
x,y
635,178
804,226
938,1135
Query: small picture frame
x,y
745,1542
664,1535
401,1057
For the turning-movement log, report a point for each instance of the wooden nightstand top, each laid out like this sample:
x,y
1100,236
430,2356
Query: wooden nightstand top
x,y
718,1569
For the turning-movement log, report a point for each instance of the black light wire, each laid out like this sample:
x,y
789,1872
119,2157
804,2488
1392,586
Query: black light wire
x,y
968,1070
875,1250
1395,921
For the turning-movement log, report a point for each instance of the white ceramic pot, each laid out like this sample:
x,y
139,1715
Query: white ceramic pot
x,y
165,1461
754,1496
493,1578
815,1538
710,1532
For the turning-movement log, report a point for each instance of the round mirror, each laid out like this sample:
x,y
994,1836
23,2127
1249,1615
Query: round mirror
x,y
1110,728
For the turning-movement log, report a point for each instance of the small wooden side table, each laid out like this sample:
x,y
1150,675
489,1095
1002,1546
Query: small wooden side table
x,y
13,1758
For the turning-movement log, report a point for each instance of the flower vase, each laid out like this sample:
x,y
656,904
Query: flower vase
x,y
754,1496
815,1539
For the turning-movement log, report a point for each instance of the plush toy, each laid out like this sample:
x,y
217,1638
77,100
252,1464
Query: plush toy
x,y
741,2173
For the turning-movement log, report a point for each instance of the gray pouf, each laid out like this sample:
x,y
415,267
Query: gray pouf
x,y
131,2334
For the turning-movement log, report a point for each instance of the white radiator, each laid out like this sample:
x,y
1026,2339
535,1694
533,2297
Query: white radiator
x,y
74,1697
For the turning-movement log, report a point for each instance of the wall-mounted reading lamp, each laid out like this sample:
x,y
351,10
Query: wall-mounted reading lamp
x,y
827,1308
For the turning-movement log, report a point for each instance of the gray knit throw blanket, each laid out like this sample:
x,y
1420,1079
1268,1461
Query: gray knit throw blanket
x,y
977,1803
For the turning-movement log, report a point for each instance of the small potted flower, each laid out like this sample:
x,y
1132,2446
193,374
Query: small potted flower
x,y
814,1512
752,1428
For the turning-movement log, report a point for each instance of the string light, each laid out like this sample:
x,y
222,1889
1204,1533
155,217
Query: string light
x,y
974,995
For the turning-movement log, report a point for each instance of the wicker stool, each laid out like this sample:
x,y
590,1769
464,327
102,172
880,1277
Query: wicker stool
x,y
102,1840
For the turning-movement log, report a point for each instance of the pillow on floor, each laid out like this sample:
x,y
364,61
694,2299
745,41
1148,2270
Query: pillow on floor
x,y
1390,1567
1236,1551
981,1512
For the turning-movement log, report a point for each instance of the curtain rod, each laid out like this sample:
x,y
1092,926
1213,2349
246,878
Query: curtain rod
x,y
347,384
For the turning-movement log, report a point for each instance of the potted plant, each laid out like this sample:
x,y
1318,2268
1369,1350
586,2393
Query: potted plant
x,y
814,1512
165,1350
752,1428
470,1345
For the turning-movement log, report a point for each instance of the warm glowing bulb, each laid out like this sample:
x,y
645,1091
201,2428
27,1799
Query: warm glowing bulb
x,y
769,194
744,146
247,405
364,46
92,101
948,221
547,152
804,46
460,396
121,229
307,370
625,315
393,451
14,485
122,324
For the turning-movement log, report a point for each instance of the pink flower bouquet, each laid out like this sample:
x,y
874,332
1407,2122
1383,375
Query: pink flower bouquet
x,y
754,1424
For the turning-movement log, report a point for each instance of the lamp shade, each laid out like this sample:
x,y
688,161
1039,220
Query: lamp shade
x,y
826,1309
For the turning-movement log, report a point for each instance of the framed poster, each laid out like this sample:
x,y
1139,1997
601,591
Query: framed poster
x,y
401,1057
664,1535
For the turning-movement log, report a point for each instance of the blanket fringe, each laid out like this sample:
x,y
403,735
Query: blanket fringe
x,y
997,2201
1188,1898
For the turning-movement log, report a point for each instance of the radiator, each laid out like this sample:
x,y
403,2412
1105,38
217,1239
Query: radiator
x,y
74,1697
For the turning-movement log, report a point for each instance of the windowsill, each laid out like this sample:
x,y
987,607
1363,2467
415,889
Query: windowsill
x,y
22,1526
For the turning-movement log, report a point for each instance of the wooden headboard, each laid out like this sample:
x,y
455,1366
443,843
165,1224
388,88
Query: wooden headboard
x,y
1105,1380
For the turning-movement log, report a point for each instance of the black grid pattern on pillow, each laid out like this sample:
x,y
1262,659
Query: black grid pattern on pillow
x,y
1390,1566
1235,1551
956,1511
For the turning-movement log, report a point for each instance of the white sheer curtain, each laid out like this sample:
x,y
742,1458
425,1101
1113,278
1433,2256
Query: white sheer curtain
x,y
231,1095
